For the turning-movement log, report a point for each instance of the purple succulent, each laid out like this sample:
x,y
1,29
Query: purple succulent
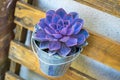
x,y
60,31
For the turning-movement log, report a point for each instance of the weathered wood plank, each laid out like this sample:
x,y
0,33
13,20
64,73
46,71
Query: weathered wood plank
x,y
104,50
99,48
20,34
27,15
109,6
24,55
14,67
11,76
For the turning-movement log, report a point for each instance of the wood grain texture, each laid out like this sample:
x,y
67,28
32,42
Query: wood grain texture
x,y
11,76
24,55
27,15
20,34
103,50
100,48
109,6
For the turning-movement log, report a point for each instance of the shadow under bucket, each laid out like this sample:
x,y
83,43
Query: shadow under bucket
x,y
54,65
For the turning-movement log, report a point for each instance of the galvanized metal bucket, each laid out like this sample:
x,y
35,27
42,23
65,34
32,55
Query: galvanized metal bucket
x,y
54,65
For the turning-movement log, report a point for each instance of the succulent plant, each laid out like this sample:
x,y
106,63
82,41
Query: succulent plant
x,y
59,32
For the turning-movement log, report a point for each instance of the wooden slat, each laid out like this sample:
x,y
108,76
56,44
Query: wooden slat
x,y
14,67
104,50
20,33
27,15
19,36
12,76
109,6
99,48
23,55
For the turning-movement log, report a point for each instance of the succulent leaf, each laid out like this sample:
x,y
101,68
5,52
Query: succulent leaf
x,y
40,35
55,18
68,17
44,45
74,15
42,23
64,39
51,38
70,31
48,19
64,31
84,32
54,45
60,22
61,12
57,35
64,50
81,39
71,42
77,27
50,12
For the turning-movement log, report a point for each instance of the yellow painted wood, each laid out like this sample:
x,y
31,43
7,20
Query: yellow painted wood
x,y
20,33
27,15
109,6
19,36
11,76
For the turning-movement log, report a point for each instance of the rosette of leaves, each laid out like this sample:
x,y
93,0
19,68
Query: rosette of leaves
x,y
59,32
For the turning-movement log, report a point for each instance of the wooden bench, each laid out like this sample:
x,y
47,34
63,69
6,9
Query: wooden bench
x,y
100,48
